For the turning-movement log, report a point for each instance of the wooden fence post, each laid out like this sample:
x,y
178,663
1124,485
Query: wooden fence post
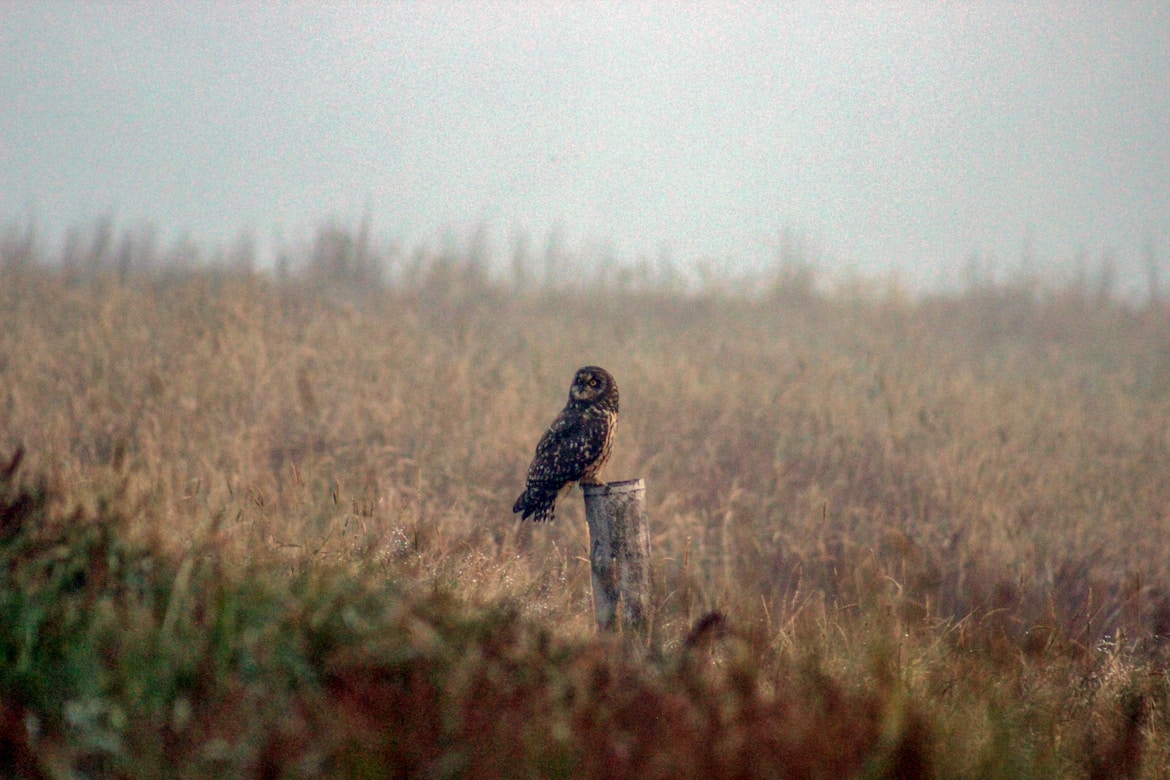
x,y
619,554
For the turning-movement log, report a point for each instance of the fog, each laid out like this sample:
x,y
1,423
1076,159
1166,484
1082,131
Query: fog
x,y
881,139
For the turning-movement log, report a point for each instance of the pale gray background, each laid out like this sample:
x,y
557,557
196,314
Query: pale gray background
x,y
895,137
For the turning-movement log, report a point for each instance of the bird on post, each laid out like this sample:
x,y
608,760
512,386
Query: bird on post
x,y
575,447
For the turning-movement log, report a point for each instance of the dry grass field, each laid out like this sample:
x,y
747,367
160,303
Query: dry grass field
x,y
261,527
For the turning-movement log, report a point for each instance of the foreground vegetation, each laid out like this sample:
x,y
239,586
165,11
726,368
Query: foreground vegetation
x,y
261,526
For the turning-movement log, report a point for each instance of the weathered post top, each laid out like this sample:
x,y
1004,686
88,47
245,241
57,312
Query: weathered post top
x,y
624,486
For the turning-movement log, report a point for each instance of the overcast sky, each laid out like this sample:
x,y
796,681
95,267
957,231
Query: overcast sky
x,y
895,137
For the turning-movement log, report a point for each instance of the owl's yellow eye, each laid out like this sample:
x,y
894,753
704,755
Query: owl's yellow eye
x,y
593,383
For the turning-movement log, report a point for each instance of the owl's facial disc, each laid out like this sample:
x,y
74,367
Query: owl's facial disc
x,y
584,385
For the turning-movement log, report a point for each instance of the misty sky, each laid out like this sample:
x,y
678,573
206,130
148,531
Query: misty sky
x,y
895,136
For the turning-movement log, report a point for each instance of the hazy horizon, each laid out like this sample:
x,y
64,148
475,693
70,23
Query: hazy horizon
x,y
893,139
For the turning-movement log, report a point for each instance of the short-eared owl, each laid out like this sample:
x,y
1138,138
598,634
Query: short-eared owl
x,y
576,446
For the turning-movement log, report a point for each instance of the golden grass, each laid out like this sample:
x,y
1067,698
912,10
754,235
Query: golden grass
x,y
959,502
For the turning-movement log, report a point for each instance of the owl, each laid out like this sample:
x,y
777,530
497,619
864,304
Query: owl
x,y
576,446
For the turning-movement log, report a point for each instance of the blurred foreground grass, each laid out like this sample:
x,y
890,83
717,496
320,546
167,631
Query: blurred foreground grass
x,y
261,528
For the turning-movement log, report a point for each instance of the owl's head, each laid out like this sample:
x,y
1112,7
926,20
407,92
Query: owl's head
x,y
592,384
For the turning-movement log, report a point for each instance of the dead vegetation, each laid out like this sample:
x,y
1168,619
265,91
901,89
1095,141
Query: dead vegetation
x,y
263,524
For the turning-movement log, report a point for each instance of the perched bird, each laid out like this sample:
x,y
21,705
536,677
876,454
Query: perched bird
x,y
576,446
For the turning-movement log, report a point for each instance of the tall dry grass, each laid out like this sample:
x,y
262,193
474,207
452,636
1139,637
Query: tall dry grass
x,y
957,501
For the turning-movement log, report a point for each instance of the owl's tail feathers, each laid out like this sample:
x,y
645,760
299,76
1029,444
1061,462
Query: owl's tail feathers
x,y
537,500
